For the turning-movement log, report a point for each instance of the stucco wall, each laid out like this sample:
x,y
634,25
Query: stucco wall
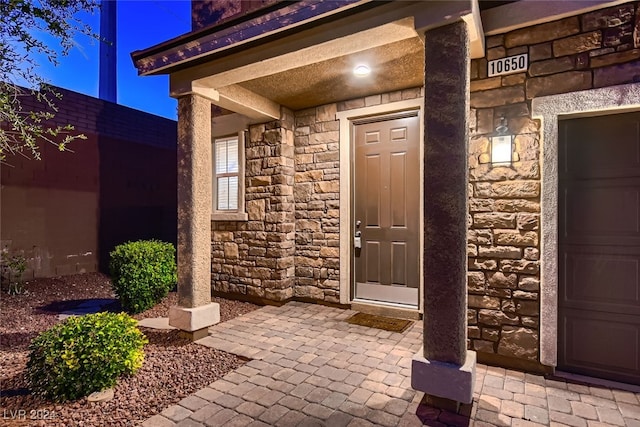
x,y
68,210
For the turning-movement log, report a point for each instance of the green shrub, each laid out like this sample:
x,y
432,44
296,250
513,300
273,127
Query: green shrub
x,y
12,267
142,273
84,354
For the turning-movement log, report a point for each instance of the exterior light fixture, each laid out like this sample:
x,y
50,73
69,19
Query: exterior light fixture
x,y
501,145
361,70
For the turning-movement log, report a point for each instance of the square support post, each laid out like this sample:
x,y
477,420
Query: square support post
x,y
195,311
444,368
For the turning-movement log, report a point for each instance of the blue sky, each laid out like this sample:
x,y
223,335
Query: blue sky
x,y
141,24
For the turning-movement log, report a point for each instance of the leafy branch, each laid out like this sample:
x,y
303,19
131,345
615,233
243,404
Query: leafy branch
x,y
32,30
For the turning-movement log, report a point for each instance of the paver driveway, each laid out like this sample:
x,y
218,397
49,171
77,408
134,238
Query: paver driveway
x,y
311,368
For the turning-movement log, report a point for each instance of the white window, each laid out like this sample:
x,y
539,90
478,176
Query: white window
x,y
228,178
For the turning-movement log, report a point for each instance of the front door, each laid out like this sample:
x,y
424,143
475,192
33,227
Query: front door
x,y
386,242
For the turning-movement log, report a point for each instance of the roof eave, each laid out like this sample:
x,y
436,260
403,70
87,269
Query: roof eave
x,y
225,38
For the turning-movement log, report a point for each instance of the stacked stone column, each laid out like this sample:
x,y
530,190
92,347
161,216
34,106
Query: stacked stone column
x,y
444,369
270,172
256,258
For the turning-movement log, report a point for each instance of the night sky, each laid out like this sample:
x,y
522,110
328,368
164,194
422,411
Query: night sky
x,y
141,24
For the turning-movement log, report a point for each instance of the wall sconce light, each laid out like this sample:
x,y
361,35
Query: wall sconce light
x,y
501,150
501,144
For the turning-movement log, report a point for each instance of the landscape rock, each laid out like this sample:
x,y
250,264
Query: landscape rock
x,y
101,396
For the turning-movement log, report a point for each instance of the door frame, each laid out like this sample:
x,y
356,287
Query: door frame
x,y
549,110
346,119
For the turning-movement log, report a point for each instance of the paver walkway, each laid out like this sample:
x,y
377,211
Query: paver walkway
x,y
310,368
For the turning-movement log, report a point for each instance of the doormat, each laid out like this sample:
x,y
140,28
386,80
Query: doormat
x,y
380,322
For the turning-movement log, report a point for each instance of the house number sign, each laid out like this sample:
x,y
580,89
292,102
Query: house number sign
x,y
508,65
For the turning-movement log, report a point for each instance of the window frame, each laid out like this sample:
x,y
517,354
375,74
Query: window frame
x,y
238,214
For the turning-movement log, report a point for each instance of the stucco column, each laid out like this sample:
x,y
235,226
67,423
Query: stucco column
x,y
195,311
444,368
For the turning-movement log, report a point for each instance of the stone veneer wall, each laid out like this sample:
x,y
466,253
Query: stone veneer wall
x,y
597,49
290,246
317,194
256,257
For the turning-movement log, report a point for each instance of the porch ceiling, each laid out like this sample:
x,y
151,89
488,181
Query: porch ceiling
x,y
313,66
394,66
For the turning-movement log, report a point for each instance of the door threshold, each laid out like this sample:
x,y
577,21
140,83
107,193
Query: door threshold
x,y
593,381
397,311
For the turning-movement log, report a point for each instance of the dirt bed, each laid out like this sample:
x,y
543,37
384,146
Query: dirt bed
x,y
173,367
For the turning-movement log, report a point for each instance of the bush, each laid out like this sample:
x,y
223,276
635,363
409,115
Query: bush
x,y
12,267
84,354
142,273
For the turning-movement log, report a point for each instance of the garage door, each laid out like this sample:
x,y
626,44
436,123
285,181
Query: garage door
x,y
599,247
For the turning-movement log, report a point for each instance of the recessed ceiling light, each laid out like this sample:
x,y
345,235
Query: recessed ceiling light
x,y
361,70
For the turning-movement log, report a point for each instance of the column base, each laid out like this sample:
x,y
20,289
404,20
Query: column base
x,y
444,380
196,318
195,335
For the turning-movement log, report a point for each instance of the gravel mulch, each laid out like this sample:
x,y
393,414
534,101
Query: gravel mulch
x,y
173,367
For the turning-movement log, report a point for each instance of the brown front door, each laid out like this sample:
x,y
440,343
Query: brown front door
x,y
599,247
386,209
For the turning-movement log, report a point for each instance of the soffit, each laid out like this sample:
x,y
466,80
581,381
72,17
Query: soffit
x,y
314,65
394,66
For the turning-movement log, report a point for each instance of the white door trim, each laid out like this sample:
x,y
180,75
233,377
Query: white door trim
x,y
346,158
549,109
